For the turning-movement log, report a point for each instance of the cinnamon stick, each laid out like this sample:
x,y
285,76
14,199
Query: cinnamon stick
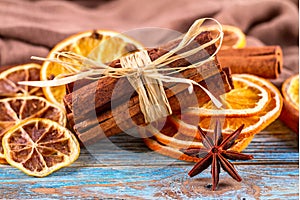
x,y
263,61
107,124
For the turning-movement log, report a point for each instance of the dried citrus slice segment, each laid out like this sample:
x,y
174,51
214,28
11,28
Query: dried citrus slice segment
x,y
253,124
170,139
9,79
174,152
39,146
290,110
233,36
290,91
14,110
246,99
168,150
101,45
181,132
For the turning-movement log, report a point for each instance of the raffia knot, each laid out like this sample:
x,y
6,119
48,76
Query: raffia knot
x,y
154,103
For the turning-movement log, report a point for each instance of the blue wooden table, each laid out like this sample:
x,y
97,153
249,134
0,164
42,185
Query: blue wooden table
x,y
131,171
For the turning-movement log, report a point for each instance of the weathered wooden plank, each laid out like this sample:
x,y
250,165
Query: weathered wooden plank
x,y
125,168
172,182
280,146
157,160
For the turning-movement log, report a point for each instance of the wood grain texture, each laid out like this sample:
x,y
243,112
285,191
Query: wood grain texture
x,y
129,170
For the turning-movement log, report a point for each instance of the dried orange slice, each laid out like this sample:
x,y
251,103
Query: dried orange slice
x,y
14,110
39,147
9,79
168,150
171,147
233,36
253,124
290,110
182,133
290,91
101,45
246,99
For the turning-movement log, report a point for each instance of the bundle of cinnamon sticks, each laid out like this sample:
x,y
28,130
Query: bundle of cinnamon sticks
x,y
89,106
102,108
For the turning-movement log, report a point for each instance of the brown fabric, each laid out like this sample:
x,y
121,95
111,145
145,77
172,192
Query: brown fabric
x,y
33,27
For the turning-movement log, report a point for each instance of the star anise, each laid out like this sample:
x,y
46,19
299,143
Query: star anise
x,y
216,153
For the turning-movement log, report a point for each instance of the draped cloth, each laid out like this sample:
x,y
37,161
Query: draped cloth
x,y
33,27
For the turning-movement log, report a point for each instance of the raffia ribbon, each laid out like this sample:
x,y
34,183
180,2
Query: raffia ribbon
x,y
153,100
145,76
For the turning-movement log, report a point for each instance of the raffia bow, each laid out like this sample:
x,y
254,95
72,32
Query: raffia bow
x,y
145,76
